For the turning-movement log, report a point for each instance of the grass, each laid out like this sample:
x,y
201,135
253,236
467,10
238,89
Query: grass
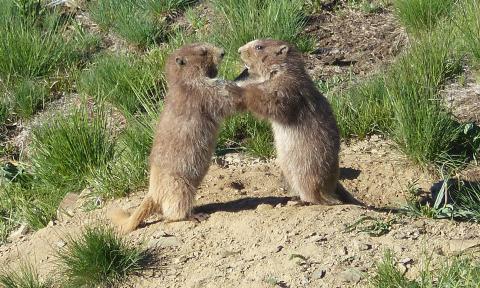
x,y
404,103
362,109
25,277
122,80
455,199
423,128
32,46
128,170
98,258
68,147
458,272
422,15
29,97
238,22
142,23
34,50
469,25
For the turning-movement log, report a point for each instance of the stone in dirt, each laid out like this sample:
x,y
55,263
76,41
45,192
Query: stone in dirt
x,y
168,241
17,234
458,246
264,207
67,207
350,275
319,273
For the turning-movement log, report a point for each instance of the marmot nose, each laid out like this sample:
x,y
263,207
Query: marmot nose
x,y
222,53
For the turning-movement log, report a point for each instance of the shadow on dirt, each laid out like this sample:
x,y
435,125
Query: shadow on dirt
x,y
248,203
349,173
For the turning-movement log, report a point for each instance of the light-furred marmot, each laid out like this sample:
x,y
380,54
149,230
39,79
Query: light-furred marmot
x,y
185,137
306,135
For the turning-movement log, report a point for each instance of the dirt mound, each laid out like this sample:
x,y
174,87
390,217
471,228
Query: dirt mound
x,y
256,236
353,42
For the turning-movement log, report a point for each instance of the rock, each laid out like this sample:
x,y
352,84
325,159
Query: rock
x,y
293,203
60,243
264,207
342,251
67,207
163,242
161,233
362,246
350,275
459,246
319,273
228,253
19,233
406,261
401,268
237,185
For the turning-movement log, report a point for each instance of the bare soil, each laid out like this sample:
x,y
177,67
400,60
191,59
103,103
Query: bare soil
x,y
351,42
256,235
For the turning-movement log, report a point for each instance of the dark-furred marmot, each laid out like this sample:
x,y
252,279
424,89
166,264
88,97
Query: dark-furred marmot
x,y
306,135
185,137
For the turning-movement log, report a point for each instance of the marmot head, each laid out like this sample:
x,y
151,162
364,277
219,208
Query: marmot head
x,y
193,60
262,57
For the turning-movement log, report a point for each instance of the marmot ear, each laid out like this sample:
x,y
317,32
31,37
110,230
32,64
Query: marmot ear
x,y
180,61
282,50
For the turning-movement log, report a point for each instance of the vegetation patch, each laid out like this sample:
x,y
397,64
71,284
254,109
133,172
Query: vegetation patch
x,y
422,15
141,23
98,258
456,272
450,199
25,277
68,147
124,80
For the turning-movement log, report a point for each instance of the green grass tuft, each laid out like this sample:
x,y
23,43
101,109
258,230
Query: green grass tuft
x,y
25,277
455,199
422,15
362,109
32,47
244,132
67,148
29,97
423,128
128,170
98,258
142,23
461,272
469,24
240,21
122,80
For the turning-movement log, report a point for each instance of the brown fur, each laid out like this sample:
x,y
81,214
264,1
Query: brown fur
x,y
186,134
306,134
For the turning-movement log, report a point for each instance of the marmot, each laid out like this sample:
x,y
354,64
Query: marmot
x,y
185,137
306,135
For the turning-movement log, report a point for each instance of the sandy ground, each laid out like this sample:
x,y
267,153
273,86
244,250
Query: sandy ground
x,y
255,237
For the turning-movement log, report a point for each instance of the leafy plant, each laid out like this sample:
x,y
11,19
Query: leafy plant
x,y
373,226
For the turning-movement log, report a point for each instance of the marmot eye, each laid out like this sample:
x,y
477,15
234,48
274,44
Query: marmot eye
x,y
258,47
